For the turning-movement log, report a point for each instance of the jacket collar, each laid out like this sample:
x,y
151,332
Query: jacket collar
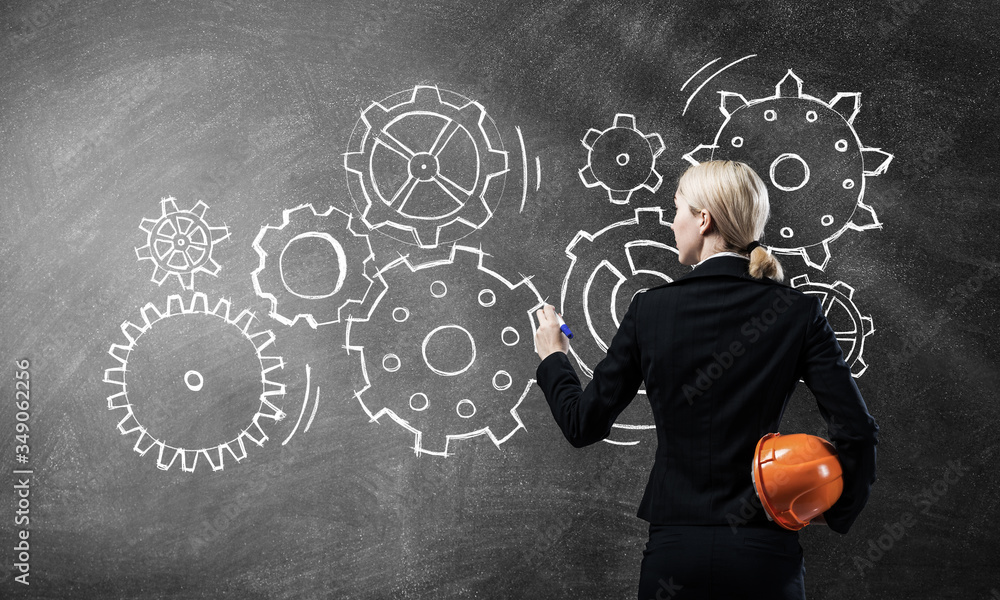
x,y
732,266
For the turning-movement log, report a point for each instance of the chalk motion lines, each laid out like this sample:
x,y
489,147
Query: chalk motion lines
x,y
166,390
446,351
426,166
621,159
808,152
180,243
313,266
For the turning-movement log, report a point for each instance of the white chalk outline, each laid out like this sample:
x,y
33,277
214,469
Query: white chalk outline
x,y
189,228
305,402
384,214
707,65
201,381
487,430
781,158
313,414
167,455
353,264
842,294
710,78
847,105
641,216
427,339
341,264
622,196
524,168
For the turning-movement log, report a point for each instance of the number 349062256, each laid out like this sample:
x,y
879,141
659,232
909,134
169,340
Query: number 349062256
x,y
22,401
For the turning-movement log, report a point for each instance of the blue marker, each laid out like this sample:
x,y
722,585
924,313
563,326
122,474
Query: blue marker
x,y
564,327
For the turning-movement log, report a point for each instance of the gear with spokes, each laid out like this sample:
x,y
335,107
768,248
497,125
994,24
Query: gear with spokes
x,y
314,266
182,391
621,159
426,166
180,243
849,325
446,351
809,153
607,269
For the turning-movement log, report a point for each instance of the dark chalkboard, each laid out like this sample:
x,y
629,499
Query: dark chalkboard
x,y
269,272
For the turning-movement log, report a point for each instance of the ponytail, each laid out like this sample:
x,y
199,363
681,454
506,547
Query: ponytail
x,y
737,199
764,264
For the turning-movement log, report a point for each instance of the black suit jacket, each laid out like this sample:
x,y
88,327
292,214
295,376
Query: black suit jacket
x,y
720,353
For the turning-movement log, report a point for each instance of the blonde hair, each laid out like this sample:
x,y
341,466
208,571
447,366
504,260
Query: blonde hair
x,y
736,197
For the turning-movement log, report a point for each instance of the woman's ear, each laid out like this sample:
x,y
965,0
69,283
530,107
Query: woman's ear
x,y
705,226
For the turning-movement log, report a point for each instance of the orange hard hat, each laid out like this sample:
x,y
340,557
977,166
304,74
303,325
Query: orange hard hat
x,y
797,477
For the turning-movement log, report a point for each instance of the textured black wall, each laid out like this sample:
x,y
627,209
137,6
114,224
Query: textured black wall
x,y
108,107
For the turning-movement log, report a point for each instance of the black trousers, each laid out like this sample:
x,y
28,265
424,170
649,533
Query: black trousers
x,y
721,562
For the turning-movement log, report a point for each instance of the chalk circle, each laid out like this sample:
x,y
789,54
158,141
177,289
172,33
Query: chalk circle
x,y
472,350
805,172
505,377
848,184
622,159
194,387
841,145
439,289
421,401
786,232
424,166
505,337
400,314
811,116
770,115
341,264
737,142
827,220
465,408
391,363
489,300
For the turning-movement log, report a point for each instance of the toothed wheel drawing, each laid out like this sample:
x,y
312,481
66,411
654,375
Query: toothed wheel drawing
x,y
313,266
180,243
447,351
813,162
607,269
178,397
850,326
426,166
621,159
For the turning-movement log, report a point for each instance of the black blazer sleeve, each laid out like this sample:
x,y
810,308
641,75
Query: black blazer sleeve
x,y
586,416
851,428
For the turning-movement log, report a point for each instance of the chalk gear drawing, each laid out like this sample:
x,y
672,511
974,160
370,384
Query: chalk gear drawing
x,y
177,376
446,350
849,325
340,282
180,243
810,155
426,166
607,269
621,159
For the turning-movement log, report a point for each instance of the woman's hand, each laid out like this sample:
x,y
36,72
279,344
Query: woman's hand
x,y
549,338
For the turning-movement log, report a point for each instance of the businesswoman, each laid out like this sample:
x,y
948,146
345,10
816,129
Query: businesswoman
x,y
720,351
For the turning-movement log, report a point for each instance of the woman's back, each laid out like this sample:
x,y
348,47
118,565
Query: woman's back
x,y
720,353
